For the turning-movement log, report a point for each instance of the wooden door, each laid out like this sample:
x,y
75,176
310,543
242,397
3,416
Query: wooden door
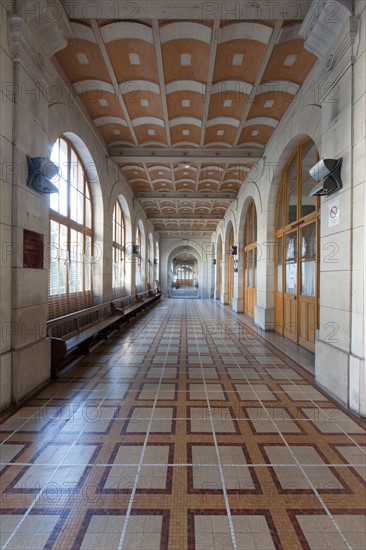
x,y
290,295
250,275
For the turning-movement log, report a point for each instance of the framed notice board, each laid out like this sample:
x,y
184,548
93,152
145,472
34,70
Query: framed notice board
x,y
32,249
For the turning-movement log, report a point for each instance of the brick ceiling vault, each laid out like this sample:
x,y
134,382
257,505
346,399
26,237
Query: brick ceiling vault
x,y
185,107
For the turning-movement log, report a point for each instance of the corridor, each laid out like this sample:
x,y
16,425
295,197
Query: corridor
x,y
186,431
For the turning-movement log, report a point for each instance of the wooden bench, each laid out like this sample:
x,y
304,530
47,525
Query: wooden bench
x,y
81,329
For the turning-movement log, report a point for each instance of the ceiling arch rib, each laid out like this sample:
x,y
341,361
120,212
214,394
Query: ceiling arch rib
x,y
186,86
185,120
186,144
139,86
89,85
149,144
83,32
148,120
127,30
101,121
266,121
222,120
185,30
246,31
215,144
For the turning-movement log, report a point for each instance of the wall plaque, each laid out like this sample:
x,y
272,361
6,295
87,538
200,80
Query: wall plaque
x,y
32,249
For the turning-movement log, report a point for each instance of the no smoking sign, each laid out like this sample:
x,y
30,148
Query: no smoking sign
x,y
333,218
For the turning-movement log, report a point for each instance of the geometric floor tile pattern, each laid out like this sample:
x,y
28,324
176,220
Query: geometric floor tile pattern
x,y
184,430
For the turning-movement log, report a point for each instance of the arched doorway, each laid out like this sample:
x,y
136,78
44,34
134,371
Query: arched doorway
x,y
219,269
297,249
185,275
250,260
230,266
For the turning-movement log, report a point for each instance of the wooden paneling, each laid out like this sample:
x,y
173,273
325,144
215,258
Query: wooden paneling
x,y
307,324
250,301
279,312
290,321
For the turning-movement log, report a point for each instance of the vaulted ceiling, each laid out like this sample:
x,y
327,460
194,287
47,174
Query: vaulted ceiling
x,y
186,107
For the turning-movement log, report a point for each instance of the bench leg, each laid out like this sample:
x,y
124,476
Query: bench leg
x,y
83,348
58,354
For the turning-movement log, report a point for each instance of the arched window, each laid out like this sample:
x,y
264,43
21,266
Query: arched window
x,y
71,235
250,260
119,243
138,256
297,241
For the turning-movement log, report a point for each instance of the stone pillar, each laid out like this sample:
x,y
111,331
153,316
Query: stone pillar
x,y
31,48
357,367
264,314
6,241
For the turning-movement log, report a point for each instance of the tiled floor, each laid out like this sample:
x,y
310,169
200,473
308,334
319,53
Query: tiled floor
x,y
184,432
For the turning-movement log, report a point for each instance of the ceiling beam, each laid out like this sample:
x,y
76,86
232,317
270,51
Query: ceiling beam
x,y
161,155
112,74
148,176
159,61
184,217
232,10
211,67
197,178
270,48
217,197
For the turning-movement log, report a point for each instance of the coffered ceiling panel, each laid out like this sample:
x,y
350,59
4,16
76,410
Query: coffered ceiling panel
x,y
191,104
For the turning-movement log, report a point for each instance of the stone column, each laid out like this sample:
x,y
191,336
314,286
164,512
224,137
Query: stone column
x,y
6,221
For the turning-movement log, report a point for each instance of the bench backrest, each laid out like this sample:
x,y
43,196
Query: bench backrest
x,y
73,323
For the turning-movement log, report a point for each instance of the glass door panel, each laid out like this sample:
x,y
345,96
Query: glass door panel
x,y
291,263
308,260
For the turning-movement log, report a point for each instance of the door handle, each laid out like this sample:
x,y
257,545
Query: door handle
x,y
294,298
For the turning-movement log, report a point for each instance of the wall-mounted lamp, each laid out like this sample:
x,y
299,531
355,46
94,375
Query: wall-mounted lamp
x,y
233,250
214,261
327,174
155,261
135,249
41,171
